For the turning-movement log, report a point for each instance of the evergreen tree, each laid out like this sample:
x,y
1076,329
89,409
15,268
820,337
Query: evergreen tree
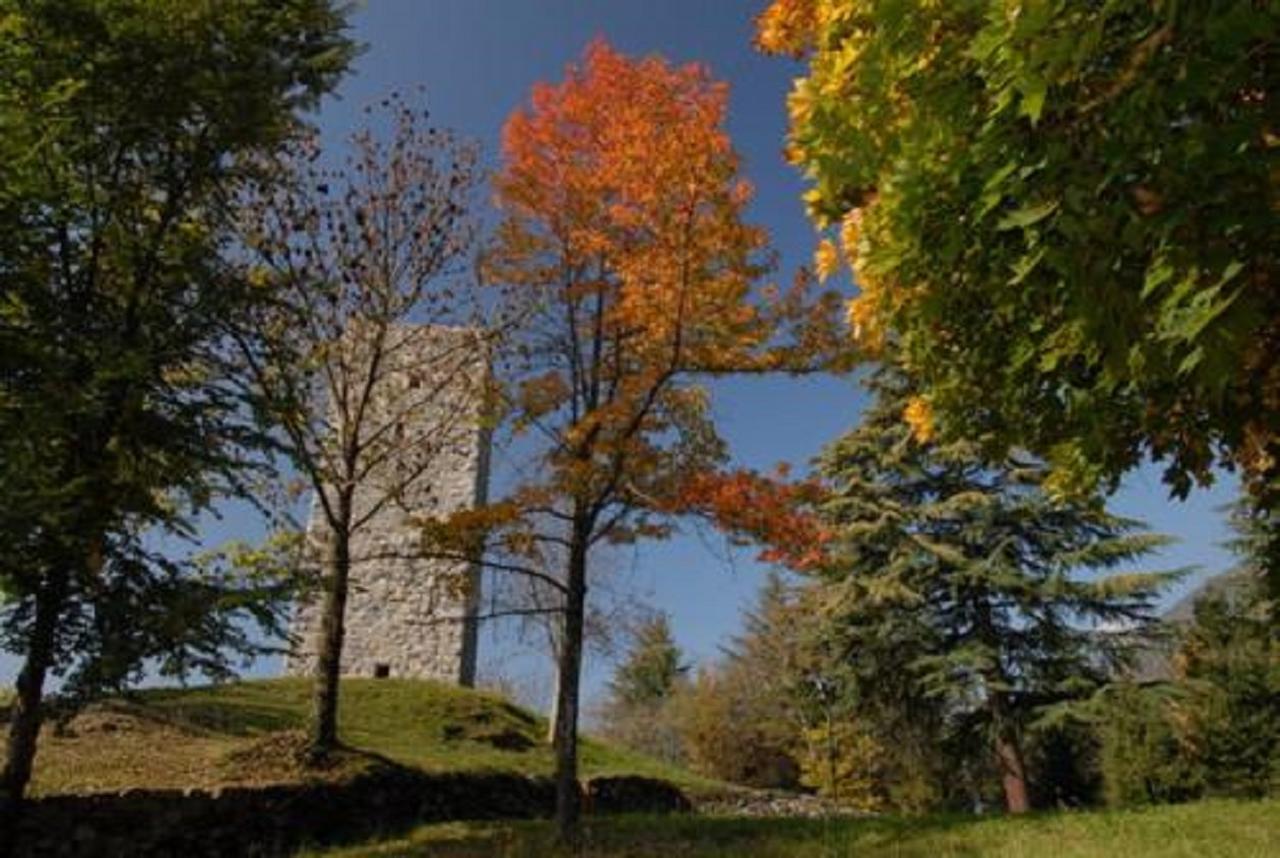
x,y
639,710
954,579
1228,715
742,718
652,668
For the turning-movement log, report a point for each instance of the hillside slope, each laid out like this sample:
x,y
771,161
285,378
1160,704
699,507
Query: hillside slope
x,y
250,732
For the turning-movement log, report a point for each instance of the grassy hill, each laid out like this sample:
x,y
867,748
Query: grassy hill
x,y
249,732
1211,829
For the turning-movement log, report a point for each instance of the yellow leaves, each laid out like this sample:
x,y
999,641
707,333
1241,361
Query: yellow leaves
x,y
543,394
800,102
259,277
787,27
918,414
843,761
464,531
826,259
850,231
860,314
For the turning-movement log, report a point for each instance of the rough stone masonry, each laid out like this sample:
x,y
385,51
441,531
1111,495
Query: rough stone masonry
x,y
409,615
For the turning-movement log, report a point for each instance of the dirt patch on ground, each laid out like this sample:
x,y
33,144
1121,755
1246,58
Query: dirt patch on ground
x,y
110,748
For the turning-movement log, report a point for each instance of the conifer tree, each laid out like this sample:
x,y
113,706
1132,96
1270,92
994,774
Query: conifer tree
x,y
652,668
640,710
957,577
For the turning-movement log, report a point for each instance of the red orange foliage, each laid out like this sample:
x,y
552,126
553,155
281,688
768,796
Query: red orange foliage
x,y
768,510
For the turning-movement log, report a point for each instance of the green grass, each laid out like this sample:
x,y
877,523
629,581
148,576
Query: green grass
x,y
1212,829
248,733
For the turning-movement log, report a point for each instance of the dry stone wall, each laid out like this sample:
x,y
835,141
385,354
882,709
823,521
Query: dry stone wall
x,y
275,821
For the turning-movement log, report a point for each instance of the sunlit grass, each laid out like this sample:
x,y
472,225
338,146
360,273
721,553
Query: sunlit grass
x,y
1212,829
243,733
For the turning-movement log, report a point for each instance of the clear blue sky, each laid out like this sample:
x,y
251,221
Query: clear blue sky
x,y
477,60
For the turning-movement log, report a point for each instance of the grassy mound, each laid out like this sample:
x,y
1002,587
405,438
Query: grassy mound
x,y
1211,829
250,733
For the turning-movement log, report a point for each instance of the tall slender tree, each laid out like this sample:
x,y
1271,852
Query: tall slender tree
x,y
353,362
962,574
126,127
624,237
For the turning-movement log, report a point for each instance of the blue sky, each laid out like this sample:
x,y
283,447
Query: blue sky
x,y
477,60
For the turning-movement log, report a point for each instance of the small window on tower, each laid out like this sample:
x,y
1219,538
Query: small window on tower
x,y
381,671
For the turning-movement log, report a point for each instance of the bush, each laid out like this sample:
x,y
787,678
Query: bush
x,y
844,763
1142,761
729,732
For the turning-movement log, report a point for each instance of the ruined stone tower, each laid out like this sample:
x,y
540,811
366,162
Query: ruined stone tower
x,y
408,615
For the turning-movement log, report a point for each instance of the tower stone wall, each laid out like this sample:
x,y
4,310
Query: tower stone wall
x,y
409,615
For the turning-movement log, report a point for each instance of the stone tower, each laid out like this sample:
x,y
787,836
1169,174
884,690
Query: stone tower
x,y
408,615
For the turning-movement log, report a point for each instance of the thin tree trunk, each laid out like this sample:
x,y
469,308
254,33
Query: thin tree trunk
x,y
554,720
1013,769
27,713
568,793
1008,747
324,702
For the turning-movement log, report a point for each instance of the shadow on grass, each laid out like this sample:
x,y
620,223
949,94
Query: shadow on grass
x,y
383,799
227,716
688,836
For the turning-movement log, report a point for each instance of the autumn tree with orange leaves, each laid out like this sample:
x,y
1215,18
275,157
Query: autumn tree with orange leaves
x,y
624,243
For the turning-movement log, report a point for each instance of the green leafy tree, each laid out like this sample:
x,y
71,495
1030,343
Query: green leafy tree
x,y
1228,716
1062,216
126,128
1141,759
959,575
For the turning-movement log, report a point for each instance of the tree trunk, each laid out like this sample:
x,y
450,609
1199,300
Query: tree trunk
x,y
554,720
1013,769
324,702
568,793
27,711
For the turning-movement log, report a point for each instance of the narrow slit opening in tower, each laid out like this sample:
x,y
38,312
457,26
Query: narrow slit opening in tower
x,y
381,671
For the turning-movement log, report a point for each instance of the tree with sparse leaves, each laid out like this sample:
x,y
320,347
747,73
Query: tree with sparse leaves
x,y
353,361
126,129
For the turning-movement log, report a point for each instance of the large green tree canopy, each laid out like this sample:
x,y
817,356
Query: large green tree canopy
x,y
127,130
1061,215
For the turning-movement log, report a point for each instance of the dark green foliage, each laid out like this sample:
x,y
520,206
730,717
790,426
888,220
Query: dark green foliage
x,y
956,590
1214,730
652,667
1063,765
1141,760
1230,718
126,128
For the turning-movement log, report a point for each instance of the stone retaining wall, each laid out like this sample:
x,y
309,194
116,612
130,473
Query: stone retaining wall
x,y
276,821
